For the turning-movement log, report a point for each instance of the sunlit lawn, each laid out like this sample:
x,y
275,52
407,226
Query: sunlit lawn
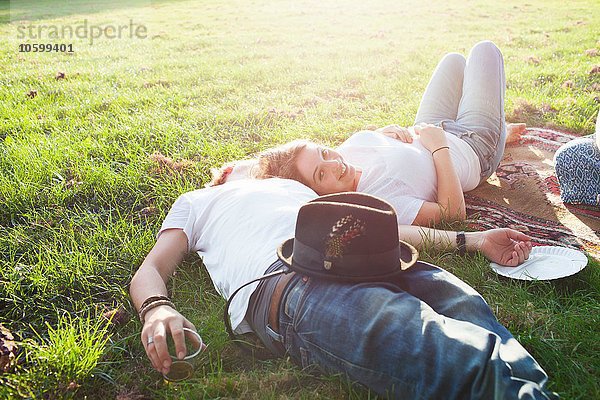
x,y
81,196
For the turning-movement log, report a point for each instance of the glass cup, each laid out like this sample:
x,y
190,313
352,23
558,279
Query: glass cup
x,y
183,369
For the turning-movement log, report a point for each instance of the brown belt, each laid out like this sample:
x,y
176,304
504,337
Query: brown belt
x,y
276,300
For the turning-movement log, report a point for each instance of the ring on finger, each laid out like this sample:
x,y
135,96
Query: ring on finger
x,y
150,340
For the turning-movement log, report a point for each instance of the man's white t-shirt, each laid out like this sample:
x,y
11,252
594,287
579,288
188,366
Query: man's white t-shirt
x,y
236,228
404,173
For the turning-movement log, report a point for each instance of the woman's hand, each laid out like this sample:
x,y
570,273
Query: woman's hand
x,y
432,137
160,322
503,246
396,132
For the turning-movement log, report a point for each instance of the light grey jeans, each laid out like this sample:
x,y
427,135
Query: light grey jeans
x,y
466,98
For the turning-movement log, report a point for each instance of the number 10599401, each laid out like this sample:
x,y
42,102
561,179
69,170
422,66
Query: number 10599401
x,y
45,48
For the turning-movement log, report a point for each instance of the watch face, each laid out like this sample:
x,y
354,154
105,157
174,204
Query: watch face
x,y
179,371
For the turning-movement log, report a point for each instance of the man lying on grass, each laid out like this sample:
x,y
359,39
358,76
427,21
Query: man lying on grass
x,y
413,333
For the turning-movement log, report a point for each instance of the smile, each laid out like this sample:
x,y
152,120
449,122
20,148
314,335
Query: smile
x,y
344,170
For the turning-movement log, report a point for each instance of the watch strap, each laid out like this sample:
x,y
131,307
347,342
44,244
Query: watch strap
x,y
461,243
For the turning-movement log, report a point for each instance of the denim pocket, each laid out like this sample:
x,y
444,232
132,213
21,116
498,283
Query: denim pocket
x,y
293,298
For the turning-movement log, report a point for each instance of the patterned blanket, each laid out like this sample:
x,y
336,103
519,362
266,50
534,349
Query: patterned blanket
x,y
524,195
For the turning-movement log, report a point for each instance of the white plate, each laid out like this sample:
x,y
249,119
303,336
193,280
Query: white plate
x,y
544,263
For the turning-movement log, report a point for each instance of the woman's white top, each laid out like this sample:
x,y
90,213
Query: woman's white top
x,y
404,173
236,228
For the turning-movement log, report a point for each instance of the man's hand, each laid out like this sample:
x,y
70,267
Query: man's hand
x,y
502,246
396,132
159,322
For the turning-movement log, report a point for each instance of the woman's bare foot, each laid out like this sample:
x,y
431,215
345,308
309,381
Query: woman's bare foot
x,y
514,132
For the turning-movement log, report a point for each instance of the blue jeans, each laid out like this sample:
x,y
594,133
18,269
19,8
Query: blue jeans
x,y
466,98
426,335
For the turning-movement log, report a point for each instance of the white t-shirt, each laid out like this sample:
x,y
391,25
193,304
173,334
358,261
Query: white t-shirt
x,y
404,173
236,228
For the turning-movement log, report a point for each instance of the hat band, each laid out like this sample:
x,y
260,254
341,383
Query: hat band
x,y
356,265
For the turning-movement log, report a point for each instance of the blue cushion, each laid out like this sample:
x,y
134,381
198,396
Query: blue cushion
x,y
577,165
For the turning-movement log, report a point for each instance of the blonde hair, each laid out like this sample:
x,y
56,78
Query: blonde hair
x,y
281,162
276,162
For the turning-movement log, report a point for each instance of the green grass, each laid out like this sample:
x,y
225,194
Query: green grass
x,y
81,198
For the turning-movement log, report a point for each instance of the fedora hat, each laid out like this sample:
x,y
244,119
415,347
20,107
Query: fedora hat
x,y
347,236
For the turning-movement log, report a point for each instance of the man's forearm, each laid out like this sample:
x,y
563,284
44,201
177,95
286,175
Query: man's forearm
x,y
422,237
145,283
160,264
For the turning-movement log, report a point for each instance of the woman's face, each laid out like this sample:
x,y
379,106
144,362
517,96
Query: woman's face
x,y
325,170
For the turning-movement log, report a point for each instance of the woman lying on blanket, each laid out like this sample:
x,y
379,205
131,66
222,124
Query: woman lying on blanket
x,y
457,143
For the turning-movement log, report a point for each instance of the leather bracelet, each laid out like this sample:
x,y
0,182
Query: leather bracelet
x,y
154,304
461,243
440,148
152,299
